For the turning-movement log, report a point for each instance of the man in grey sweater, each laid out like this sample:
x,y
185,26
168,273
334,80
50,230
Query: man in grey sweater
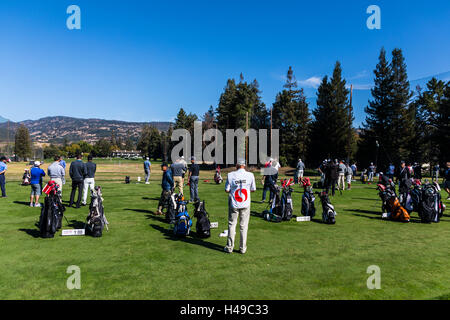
x,y
57,173
89,178
178,169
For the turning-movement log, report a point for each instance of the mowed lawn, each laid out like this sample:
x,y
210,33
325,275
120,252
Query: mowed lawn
x,y
139,259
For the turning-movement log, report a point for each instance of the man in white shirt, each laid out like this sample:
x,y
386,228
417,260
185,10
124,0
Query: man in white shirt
x,y
239,185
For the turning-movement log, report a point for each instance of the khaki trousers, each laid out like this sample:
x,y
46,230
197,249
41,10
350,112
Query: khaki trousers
x,y
244,217
58,182
178,182
341,181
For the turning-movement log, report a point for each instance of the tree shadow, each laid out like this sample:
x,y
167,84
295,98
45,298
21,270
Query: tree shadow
x,y
200,242
32,232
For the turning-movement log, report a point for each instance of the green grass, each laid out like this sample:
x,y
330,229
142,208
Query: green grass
x,y
139,259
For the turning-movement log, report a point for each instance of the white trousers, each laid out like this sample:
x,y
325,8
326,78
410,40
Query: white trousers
x,y
89,183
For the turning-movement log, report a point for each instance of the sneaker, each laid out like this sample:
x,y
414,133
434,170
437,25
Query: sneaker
x,y
226,250
448,199
262,201
147,183
31,205
37,205
243,251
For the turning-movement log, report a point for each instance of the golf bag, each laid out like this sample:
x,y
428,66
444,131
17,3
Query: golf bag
x,y
431,207
26,178
52,212
308,207
183,221
96,220
275,212
203,225
391,207
414,197
328,212
127,180
217,176
287,207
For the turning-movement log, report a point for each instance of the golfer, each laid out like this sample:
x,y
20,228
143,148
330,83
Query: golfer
x,y
36,181
239,185
167,186
300,170
178,169
3,168
147,170
341,178
57,173
77,172
194,173
89,178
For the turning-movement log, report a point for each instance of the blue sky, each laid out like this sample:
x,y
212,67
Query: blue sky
x,y
142,60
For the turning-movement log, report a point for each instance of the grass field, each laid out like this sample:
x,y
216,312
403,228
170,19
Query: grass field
x,y
139,259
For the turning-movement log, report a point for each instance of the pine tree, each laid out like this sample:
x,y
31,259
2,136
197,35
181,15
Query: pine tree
x,y
378,125
23,144
402,111
291,116
332,133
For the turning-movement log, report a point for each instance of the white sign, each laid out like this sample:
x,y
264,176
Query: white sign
x,y
214,225
300,219
73,232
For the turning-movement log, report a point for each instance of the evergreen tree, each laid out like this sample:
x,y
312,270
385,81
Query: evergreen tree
x,y
378,125
402,111
332,134
290,114
23,144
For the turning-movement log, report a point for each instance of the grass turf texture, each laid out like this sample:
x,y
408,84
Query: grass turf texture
x,y
139,259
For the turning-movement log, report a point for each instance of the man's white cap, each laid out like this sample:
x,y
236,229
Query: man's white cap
x,y
147,158
37,163
241,162
182,157
271,159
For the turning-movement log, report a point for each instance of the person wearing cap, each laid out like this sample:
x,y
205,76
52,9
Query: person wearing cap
x,y
167,187
239,185
89,178
77,173
36,184
147,170
3,168
56,172
178,169
194,173
348,175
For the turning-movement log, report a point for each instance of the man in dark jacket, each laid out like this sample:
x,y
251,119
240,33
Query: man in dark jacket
x,y
404,177
331,176
167,187
77,172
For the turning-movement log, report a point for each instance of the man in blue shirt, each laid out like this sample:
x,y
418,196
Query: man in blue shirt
x,y
62,163
36,180
147,170
3,168
167,187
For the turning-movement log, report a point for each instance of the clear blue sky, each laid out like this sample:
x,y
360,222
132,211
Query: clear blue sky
x,y
142,60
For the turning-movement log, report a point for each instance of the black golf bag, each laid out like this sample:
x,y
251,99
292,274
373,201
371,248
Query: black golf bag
x,y
308,207
431,207
328,213
52,212
96,220
275,213
203,225
127,179
171,213
287,207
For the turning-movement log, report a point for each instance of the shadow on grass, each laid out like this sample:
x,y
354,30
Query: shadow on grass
x,y
371,199
75,224
147,198
149,214
32,232
25,203
412,220
363,211
200,242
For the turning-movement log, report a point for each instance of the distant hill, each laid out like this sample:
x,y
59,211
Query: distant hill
x,y
3,119
56,129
